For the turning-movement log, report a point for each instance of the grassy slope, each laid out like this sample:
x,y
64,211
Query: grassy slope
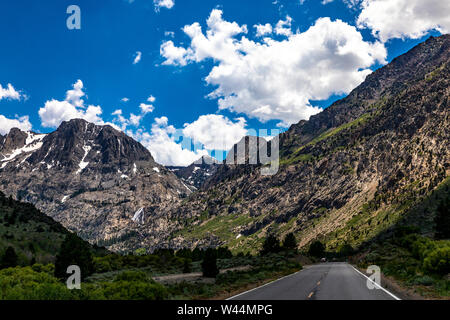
x,y
30,232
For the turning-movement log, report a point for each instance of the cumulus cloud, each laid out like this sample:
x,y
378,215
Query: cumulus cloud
x,y
9,93
23,123
146,108
390,19
168,4
263,29
125,99
174,55
163,143
276,79
54,111
138,57
74,95
216,132
134,119
283,27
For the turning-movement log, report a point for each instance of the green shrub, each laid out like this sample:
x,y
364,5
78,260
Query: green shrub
x,y
128,290
424,281
132,276
28,284
438,261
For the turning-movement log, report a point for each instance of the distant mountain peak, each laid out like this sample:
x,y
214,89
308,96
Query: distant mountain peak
x,y
91,178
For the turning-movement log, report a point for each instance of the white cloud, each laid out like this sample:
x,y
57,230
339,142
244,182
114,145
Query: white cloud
x,y
168,4
6,124
324,2
283,27
125,99
74,95
162,140
271,79
138,57
151,99
9,93
262,30
146,108
134,120
170,34
216,132
54,111
353,4
390,19
162,143
174,55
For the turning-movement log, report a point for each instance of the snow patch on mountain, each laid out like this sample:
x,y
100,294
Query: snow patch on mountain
x,y
139,216
82,165
32,143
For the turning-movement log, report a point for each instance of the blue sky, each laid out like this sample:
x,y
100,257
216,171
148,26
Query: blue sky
x,y
42,59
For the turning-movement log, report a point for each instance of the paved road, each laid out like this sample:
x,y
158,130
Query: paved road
x,y
325,281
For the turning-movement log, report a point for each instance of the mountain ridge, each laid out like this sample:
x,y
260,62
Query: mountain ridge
x,y
346,174
363,158
92,179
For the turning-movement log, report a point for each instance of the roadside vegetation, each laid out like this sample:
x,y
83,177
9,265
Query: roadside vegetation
x,y
131,277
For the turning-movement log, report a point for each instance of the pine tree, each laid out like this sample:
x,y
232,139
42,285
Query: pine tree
x,y
74,251
209,264
187,266
270,245
9,259
317,249
442,220
290,243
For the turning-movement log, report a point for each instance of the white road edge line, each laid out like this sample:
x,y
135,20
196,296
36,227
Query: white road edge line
x,y
376,284
248,291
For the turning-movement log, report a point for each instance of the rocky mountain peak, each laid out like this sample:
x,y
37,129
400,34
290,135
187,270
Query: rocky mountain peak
x,y
15,139
196,174
91,178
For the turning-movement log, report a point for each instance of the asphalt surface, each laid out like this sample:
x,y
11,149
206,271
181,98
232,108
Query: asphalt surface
x,y
325,281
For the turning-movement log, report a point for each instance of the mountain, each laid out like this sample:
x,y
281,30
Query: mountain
x,y
246,151
34,236
196,174
93,179
347,174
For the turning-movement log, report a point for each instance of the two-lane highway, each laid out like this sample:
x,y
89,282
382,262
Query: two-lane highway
x,y
325,281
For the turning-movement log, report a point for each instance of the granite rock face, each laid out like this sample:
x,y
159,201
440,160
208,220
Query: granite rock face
x,y
347,173
93,179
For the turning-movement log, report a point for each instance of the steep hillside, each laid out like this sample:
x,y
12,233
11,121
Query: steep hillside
x,y
34,236
357,166
93,179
